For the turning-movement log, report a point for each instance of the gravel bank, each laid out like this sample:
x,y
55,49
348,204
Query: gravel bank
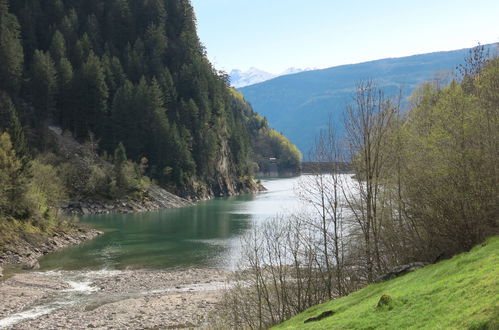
x,y
110,299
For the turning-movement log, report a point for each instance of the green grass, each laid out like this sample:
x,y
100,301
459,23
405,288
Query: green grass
x,y
459,293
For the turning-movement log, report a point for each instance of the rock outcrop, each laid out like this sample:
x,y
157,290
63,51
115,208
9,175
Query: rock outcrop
x,y
320,317
31,264
400,270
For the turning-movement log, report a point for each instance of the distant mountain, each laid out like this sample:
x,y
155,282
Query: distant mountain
x,y
299,105
254,75
240,78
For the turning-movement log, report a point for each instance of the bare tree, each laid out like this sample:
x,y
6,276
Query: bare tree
x,y
367,122
322,190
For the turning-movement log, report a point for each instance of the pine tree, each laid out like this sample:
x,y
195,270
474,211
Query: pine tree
x,y
91,98
44,85
119,23
11,50
69,28
64,101
82,50
9,122
58,46
156,44
124,121
94,34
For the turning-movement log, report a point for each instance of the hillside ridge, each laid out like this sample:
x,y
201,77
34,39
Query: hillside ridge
x,y
301,104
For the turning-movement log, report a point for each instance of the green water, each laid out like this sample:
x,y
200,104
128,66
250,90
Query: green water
x,y
205,235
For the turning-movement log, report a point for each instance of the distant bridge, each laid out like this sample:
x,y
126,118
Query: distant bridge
x,y
325,167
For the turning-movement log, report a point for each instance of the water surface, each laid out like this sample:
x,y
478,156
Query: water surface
x,y
205,235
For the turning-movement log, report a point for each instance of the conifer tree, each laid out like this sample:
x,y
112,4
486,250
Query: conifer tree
x,y
58,46
11,50
44,85
9,122
64,101
92,95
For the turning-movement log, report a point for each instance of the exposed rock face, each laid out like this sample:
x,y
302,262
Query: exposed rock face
x,y
226,181
1,271
400,270
225,185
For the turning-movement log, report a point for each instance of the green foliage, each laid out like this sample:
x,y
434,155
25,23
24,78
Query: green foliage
x,y
450,160
460,293
13,183
9,122
265,143
29,196
46,188
272,144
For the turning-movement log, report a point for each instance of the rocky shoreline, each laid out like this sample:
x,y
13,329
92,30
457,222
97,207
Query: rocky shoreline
x,y
155,198
27,251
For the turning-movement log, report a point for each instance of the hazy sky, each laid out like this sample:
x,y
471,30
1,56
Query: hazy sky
x,y
274,35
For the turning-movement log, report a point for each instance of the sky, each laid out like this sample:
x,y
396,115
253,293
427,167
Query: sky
x,y
274,35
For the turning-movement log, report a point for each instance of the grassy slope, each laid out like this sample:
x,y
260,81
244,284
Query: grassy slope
x,y
460,293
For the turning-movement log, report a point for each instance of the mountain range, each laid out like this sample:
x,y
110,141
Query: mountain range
x,y
254,75
300,105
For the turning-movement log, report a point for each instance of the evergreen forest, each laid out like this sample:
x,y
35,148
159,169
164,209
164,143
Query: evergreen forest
x,y
130,80
130,72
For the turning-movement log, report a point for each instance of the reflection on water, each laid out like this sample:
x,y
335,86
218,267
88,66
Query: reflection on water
x,y
205,235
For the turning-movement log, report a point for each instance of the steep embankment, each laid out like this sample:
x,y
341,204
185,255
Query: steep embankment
x,y
460,293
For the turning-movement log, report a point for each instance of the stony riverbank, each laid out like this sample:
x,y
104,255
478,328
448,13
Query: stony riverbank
x,y
110,299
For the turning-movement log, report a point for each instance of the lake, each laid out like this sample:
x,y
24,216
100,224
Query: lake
x,y
153,254
205,235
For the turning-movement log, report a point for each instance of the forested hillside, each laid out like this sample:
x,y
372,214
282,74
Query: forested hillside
x,y
300,105
101,99
130,72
